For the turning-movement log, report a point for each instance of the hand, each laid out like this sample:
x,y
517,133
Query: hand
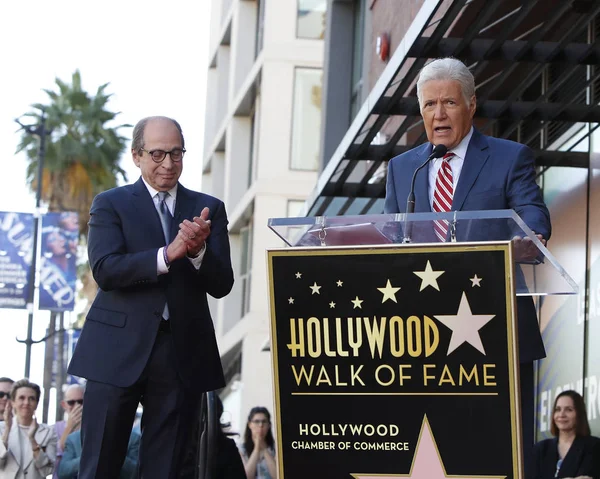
x,y
196,232
524,249
8,415
74,420
33,429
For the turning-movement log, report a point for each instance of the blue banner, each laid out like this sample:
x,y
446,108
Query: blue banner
x,y
16,252
58,267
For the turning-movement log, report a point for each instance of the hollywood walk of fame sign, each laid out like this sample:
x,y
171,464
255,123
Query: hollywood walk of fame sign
x,y
393,362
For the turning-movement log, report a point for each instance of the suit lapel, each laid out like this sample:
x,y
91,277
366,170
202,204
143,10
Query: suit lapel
x,y
422,204
13,441
144,203
477,155
573,458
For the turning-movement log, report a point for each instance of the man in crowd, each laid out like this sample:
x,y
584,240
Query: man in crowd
x,y
5,387
478,173
72,405
156,250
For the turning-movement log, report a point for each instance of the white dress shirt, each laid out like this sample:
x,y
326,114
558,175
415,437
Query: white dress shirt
x,y
456,164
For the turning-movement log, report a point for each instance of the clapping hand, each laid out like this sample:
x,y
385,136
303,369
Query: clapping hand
x,y
33,429
8,414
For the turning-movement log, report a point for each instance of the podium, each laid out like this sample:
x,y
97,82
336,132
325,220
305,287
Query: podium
x,y
396,355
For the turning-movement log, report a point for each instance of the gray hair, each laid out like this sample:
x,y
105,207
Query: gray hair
x,y
137,142
447,69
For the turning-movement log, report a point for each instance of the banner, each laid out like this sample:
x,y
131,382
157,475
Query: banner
x,y
394,362
16,253
58,268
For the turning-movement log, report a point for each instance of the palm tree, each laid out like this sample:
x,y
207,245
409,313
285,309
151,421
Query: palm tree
x,y
82,159
82,152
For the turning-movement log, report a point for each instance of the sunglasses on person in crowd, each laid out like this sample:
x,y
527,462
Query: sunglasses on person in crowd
x,y
71,402
2,394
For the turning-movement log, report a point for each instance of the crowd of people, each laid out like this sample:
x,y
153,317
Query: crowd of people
x,y
32,450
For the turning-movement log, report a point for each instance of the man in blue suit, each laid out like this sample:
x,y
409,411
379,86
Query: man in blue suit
x,y
156,249
486,174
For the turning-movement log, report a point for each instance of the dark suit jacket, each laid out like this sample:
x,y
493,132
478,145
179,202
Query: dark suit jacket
x,y
125,234
496,174
583,459
69,464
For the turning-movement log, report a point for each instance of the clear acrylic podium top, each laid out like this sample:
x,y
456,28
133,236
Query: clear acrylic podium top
x,y
537,274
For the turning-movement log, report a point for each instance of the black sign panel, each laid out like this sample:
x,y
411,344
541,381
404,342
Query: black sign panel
x,y
395,362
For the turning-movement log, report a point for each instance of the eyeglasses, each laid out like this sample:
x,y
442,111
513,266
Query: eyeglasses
x,y
2,394
259,421
71,402
159,155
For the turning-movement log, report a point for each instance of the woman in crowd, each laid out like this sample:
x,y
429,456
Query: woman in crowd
x,y
27,449
258,448
573,452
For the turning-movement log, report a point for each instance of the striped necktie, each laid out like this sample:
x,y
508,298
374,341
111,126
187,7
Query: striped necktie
x,y
442,196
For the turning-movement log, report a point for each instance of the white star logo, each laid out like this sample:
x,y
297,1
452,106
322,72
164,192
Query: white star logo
x,y
357,303
389,292
429,277
315,288
339,283
298,275
465,326
476,281
427,461
291,300
332,305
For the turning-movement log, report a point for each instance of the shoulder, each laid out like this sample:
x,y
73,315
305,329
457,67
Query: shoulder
x,y
412,155
542,447
501,144
590,442
114,193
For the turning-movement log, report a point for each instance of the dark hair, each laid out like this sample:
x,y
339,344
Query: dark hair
x,y
4,379
248,442
137,142
24,383
582,426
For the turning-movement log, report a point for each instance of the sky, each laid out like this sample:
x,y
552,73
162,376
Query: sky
x,y
153,53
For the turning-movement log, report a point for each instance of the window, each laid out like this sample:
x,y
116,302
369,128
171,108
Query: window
x,y
306,120
357,57
246,267
311,19
260,26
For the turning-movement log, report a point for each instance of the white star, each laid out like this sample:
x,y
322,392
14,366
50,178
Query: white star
x,y
315,288
298,275
389,292
476,281
357,303
429,277
332,305
291,300
427,461
465,326
339,283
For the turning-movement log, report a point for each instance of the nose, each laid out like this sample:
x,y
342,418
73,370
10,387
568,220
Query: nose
x,y
440,111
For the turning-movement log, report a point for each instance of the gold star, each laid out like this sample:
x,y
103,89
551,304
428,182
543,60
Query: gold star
x,y
476,281
291,300
315,288
298,275
429,277
339,283
357,303
389,292
332,305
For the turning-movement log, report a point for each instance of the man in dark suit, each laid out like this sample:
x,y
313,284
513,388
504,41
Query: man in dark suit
x,y
156,250
483,173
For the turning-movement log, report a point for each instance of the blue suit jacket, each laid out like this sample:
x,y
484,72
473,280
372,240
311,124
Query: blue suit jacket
x,y
69,464
496,174
125,234
583,459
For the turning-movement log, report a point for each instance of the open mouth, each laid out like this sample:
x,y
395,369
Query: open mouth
x,y
442,129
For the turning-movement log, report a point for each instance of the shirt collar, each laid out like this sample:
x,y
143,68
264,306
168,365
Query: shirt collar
x,y
460,150
153,192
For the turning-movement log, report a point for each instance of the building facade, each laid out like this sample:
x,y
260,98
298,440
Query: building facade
x,y
261,158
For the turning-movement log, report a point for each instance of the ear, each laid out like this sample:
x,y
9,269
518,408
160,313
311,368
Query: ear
x,y
472,106
136,157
